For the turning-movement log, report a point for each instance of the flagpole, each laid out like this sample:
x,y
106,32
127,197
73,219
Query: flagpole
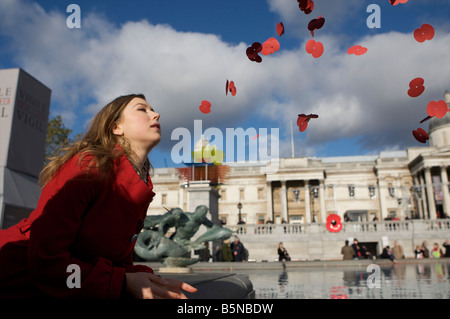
x,y
292,140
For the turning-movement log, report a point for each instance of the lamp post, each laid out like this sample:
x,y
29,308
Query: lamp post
x,y
239,206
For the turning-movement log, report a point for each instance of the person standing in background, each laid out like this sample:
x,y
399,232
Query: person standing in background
x,y
397,251
238,250
347,251
282,253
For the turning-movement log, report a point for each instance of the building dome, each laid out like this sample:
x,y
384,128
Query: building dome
x,y
436,123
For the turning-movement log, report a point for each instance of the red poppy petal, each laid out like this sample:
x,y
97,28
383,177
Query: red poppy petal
x,y
232,88
438,109
395,2
303,126
425,32
316,24
307,6
280,29
416,87
420,135
357,50
252,52
301,118
205,107
314,48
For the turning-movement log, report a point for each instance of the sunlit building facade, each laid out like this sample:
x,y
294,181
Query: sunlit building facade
x,y
406,184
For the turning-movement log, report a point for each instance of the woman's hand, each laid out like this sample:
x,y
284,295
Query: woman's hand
x,y
143,285
177,286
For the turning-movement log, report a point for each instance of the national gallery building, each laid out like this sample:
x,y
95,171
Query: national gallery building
x,y
407,184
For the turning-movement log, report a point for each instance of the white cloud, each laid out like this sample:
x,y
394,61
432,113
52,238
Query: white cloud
x,y
353,95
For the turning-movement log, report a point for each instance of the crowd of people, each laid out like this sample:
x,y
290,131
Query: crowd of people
x,y
358,251
234,251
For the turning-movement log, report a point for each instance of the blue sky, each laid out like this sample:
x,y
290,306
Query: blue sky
x,y
179,53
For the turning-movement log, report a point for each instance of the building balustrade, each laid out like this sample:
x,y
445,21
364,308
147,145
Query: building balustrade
x,y
347,227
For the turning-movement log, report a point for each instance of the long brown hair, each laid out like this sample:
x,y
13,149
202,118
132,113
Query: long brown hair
x,y
99,141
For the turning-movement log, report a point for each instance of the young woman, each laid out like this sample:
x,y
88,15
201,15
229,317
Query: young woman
x,y
282,253
92,206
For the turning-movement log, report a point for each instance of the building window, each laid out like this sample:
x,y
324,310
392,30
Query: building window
x,y
391,190
261,218
223,219
163,199
372,191
351,191
330,192
373,216
392,214
223,194
241,194
296,219
261,193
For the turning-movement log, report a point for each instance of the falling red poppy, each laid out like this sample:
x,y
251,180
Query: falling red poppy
x,y
302,121
438,109
357,50
416,87
314,48
231,88
205,107
334,224
270,46
280,29
420,135
307,6
425,32
252,52
316,24
395,2
302,125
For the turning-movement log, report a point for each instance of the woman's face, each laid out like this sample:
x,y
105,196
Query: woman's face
x,y
139,124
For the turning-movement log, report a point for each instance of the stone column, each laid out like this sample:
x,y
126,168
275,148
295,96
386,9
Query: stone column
x,y
307,203
283,195
381,197
419,199
424,196
445,192
430,193
269,201
202,193
323,209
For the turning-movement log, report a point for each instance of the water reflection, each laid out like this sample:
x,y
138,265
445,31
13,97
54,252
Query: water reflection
x,y
401,281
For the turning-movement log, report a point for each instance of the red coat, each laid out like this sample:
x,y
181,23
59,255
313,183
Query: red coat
x,y
79,220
